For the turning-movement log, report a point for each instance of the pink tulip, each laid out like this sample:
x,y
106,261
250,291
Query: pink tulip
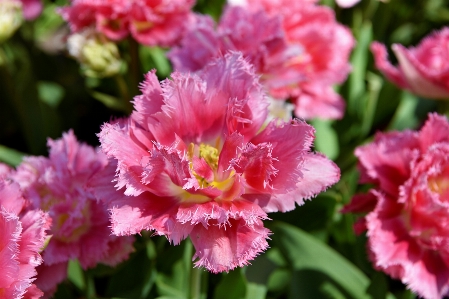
x,y
193,161
424,70
407,210
80,224
299,50
153,23
22,235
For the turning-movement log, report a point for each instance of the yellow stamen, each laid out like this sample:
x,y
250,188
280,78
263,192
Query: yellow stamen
x,y
210,155
438,184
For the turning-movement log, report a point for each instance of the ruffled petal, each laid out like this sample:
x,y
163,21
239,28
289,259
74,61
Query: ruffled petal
x,y
223,248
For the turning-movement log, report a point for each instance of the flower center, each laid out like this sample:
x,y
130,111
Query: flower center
x,y
142,25
210,155
439,184
69,228
203,164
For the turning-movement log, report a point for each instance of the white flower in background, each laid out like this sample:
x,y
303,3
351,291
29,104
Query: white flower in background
x,y
10,18
280,110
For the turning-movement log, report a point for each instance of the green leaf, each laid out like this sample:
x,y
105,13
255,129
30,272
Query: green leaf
x,y
131,279
75,275
231,286
305,252
154,57
404,116
10,156
359,63
108,100
50,93
175,281
379,286
255,291
167,290
279,280
326,139
374,86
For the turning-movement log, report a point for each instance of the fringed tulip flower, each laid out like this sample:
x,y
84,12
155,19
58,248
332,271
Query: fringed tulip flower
x,y
22,237
324,60
80,224
193,161
153,23
407,210
424,70
299,50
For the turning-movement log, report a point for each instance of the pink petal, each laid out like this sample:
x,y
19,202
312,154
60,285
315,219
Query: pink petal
x,y
382,64
31,9
434,131
49,277
11,230
387,160
199,45
361,203
418,81
319,173
223,248
319,101
115,142
290,142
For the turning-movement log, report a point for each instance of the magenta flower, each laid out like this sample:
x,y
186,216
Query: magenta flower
x,y
424,70
193,162
299,50
408,215
149,22
80,225
22,237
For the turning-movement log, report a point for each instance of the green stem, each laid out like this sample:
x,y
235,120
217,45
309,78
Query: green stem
x,y
124,93
3,58
135,71
195,283
90,287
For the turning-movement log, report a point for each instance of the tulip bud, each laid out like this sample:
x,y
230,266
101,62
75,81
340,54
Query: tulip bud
x,y
98,56
10,18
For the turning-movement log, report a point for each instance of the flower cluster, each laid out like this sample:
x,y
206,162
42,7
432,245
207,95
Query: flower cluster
x,y
299,50
194,160
407,220
80,224
22,235
149,22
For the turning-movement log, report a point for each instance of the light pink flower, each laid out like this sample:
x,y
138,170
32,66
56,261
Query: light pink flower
x,y
80,224
22,237
149,22
408,215
326,46
5,170
31,9
192,162
424,70
298,49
